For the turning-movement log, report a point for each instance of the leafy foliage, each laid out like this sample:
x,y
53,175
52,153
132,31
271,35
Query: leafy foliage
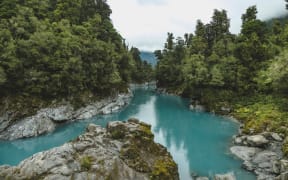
x,y
61,49
214,58
246,74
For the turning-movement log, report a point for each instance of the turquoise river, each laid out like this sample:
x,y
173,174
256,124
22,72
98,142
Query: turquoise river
x,y
199,142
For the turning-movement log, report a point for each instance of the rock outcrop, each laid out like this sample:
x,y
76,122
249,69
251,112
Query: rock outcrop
x,y
45,120
124,150
262,155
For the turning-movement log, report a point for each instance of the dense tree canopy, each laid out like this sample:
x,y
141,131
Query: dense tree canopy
x,y
55,49
213,58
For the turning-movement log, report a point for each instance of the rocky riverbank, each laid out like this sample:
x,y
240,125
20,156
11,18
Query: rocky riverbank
x,y
46,120
123,150
262,155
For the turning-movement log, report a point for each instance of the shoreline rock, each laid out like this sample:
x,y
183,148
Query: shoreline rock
x,y
228,176
262,155
196,106
123,150
47,119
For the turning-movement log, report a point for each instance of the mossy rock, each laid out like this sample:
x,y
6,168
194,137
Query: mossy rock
x,y
86,162
285,147
143,133
118,132
146,131
132,157
164,169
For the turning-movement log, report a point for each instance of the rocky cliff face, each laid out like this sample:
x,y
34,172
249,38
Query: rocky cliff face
x,y
123,150
45,120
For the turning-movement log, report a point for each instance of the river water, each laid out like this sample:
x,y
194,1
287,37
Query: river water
x,y
199,142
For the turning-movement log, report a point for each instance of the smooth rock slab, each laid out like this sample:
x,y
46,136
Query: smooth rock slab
x,y
245,153
257,141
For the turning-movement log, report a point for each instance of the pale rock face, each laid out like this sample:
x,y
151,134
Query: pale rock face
x,y
276,137
125,150
46,120
257,141
283,165
29,127
244,153
61,113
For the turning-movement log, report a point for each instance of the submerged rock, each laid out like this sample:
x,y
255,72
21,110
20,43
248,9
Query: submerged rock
x,y
228,176
197,107
202,178
124,150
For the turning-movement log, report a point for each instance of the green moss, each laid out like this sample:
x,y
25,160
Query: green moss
x,y
262,114
140,152
163,169
132,152
133,158
117,134
143,133
86,163
146,131
8,178
101,162
285,149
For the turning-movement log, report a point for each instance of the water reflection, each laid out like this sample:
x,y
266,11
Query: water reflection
x,y
197,141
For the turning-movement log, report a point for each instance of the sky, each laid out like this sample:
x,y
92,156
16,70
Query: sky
x,y
144,23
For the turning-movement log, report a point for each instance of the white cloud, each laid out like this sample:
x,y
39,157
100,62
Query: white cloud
x,y
145,23
152,2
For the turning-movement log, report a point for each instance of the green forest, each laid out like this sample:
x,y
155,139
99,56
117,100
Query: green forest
x,y
247,72
63,49
52,50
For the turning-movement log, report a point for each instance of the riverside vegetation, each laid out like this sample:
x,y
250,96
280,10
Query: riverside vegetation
x,y
61,52
245,75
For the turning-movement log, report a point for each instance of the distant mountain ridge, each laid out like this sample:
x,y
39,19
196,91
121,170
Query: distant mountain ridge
x,y
149,57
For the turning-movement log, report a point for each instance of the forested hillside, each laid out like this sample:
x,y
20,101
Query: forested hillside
x,y
212,57
245,73
54,49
